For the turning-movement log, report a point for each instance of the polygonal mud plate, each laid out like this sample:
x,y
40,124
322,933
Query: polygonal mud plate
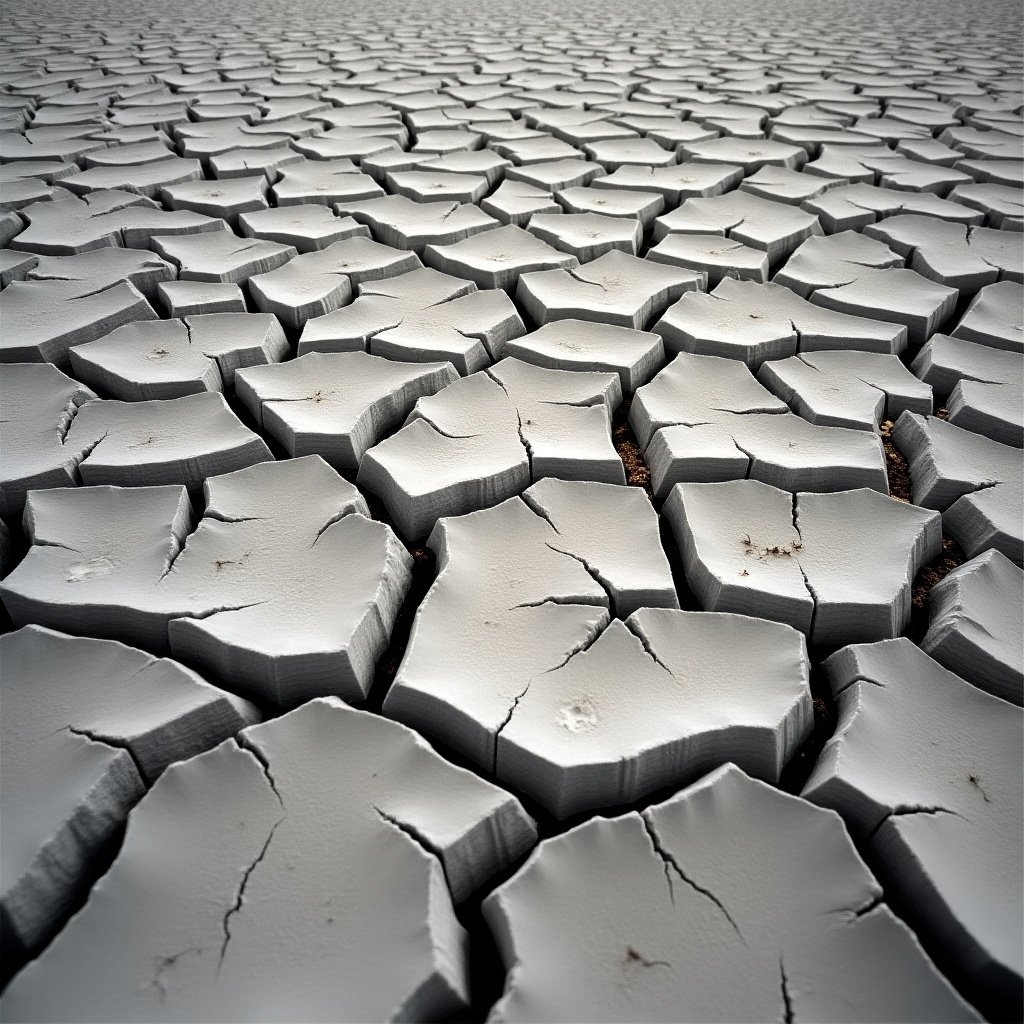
x,y
655,701
12,225
422,316
705,419
854,207
994,317
995,410
592,346
44,319
239,163
946,361
478,162
962,257
317,283
432,186
485,438
106,218
880,166
729,901
337,404
588,235
497,258
308,227
976,617
194,298
554,175
515,202
344,144
14,266
406,224
88,726
612,154
236,851
750,154
846,388
1002,205
285,589
714,255
170,358
783,185
975,482
148,179
754,322
853,274
221,255
100,268
675,183
538,577
837,566
924,769
39,404
225,199
616,288
323,181
775,228
620,202
149,443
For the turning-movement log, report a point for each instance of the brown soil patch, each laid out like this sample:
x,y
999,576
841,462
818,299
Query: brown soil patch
x,y
936,570
950,557
897,467
637,473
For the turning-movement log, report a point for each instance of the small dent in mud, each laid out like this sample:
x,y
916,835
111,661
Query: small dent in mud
x,y
579,715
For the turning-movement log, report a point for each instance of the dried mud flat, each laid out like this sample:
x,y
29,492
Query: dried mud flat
x,y
511,513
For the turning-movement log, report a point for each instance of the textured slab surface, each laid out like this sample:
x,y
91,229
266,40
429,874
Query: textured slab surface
x,y
88,726
243,592
751,321
488,436
380,939
976,620
337,404
40,404
704,419
914,771
820,562
577,570
675,914
975,482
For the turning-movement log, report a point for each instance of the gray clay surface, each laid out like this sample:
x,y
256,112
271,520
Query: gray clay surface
x,y
625,400
673,913
942,818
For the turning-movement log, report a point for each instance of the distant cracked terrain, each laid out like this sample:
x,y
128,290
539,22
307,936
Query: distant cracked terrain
x,y
511,512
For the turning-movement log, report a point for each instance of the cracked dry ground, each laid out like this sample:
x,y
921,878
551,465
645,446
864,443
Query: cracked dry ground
x,y
511,513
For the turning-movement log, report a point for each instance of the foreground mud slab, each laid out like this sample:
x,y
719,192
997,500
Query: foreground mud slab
x,y
913,770
171,358
234,854
676,913
88,726
337,404
576,570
